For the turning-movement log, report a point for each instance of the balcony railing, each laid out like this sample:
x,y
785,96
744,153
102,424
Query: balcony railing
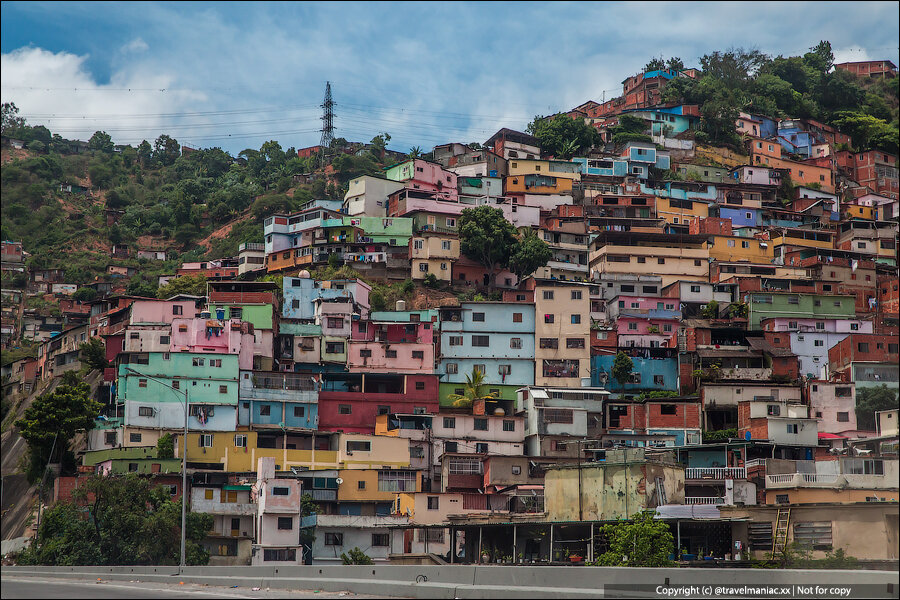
x,y
755,462
228,508
715,473
703,500
323,495
786,480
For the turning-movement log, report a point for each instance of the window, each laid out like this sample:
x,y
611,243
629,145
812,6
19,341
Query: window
x,y
641,260
384,410
695,289
418,354
773,410
163,339
215,362
134,437
478,317
792,428
198,362
365,353
551,343
558,415
517,317
142,383
661,261
110,438
381,539
281,491
516,470
843,417
632,326
509,425
782,499
854,326
450,446
816,535
449,422
574,342
285,555
205,440
334,539
697,262
334,347
481,448
397,481
481,341
576,319
344,409
548,295
576,295
434,502
515,343
240,441
549,318
265,410
452,368
420,385
659,380
862,346
223,389
359,446
481,424
445,245
299,411
145,411
132,467
456,340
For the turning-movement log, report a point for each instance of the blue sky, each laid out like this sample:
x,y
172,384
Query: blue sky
x,y
237,74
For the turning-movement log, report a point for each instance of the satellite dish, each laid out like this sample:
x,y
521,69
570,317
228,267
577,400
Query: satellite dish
x,y
339,481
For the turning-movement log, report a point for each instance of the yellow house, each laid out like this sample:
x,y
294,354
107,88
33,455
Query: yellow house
x,y
553,168
562,327
802,237
680,212
740,249
371,485
672,257
238,451
854,211
433,254
538,184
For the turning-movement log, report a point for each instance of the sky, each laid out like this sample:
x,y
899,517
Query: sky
x,y
236,74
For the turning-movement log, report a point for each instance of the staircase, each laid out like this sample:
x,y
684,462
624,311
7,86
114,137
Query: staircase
x,y
782,522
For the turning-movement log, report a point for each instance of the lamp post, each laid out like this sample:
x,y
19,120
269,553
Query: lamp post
x,y
183,459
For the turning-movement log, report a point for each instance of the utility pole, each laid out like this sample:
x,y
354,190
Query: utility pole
x,y
327,122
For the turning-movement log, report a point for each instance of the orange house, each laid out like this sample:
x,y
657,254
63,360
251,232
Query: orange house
x,y
768,152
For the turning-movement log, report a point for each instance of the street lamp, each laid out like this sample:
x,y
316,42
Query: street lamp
x,y
183,458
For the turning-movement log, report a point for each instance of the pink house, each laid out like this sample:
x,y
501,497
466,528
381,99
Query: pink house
x,y
418,174
278,508
747,125
161,312
213,336
757,175
642,332
833,404
391,347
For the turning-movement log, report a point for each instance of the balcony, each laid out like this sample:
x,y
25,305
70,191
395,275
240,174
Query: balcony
x,y
228,508
704,500
322,495
745,373
830,480
715,473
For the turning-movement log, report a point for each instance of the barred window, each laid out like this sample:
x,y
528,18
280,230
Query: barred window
x,y
813,534
396,481
558,415
464,466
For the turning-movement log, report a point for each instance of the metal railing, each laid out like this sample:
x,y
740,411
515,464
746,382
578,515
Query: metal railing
x,y
715,473
703,500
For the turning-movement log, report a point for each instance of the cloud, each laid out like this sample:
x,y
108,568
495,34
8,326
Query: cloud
x,y
851,54
136,45
56,90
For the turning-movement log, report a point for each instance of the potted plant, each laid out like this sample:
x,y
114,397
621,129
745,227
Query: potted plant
x,y
521,557
575,558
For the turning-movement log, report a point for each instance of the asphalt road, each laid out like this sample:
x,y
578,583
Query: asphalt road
x,y
37,587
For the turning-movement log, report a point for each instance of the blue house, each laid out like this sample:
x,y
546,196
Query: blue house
x,y
280,400
650,374
300,295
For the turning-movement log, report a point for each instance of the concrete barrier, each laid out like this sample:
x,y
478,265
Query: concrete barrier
x,y
488,581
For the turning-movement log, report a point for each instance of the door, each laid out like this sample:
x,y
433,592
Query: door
x,y
235,527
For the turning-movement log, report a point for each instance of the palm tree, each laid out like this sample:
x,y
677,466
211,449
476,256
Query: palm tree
x,y
415,152
472,391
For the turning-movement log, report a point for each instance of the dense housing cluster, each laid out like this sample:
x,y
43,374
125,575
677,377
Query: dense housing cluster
x,y
702,341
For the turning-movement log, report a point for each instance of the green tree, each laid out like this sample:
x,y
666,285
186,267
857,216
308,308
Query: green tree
x,y
51,421
869,400
379,144
128,521
10,118
486,237
472,391
84,294
165,447
655,64
644,541
93,354
820,57
166,150
675,64
101,142
191,285
355,557
711,311
621,369
529,254
415,152
563,136
145,153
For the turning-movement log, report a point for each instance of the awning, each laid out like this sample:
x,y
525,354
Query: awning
x,y
831,436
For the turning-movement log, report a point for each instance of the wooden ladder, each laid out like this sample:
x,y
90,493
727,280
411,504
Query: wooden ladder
x,y
782,522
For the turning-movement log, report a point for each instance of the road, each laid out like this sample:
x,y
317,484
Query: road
x,y
40,587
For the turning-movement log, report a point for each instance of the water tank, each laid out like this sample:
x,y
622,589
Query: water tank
x,y
401,305
304,274
499,412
